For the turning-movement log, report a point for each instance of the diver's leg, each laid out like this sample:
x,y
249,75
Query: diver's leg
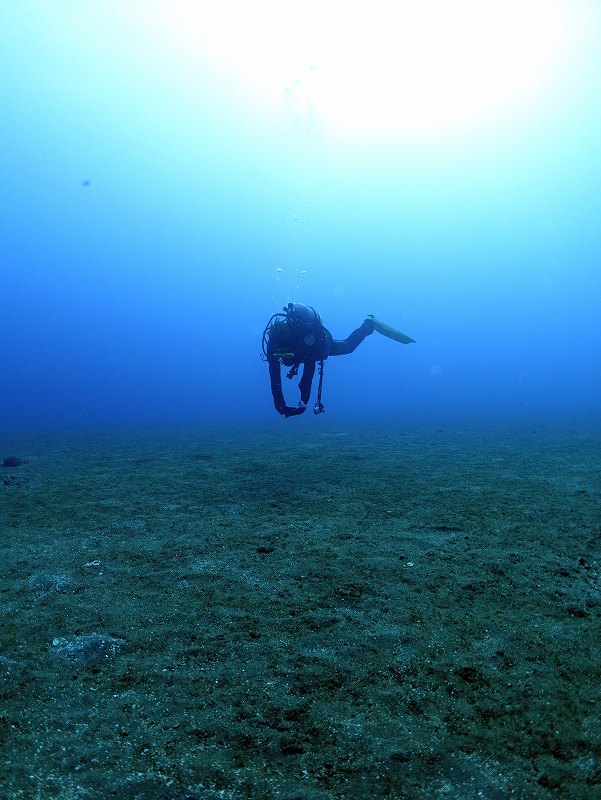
x,y
342,347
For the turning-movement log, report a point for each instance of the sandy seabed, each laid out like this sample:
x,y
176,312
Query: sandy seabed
x,y
293,614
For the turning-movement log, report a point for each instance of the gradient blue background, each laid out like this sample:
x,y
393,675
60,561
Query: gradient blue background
x,y
141,296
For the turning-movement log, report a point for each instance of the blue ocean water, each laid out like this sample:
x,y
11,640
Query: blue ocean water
x,y
158,206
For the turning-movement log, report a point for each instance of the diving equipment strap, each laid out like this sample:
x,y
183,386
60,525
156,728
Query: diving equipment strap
x,y
318,408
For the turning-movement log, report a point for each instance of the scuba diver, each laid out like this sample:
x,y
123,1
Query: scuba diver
x,y
297,337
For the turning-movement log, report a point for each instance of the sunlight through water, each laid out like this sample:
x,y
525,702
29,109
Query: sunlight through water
x,y
386,67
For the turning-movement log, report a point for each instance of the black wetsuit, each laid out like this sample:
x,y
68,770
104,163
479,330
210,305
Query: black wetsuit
x,y
293,347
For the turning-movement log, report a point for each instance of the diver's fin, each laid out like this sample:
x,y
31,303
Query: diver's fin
x,y
392,333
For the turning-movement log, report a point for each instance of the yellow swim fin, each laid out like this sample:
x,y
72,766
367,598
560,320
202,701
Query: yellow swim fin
x,y
392,333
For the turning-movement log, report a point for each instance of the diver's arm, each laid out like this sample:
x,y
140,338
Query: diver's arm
x,y
305,382
275,378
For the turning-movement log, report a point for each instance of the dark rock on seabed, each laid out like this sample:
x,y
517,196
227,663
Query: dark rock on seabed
x,y
334,613
12,461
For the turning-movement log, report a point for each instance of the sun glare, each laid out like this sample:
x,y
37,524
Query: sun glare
x,y
387,66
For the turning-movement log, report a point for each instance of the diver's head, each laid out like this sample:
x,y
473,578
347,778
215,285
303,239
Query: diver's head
x,y
301,317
